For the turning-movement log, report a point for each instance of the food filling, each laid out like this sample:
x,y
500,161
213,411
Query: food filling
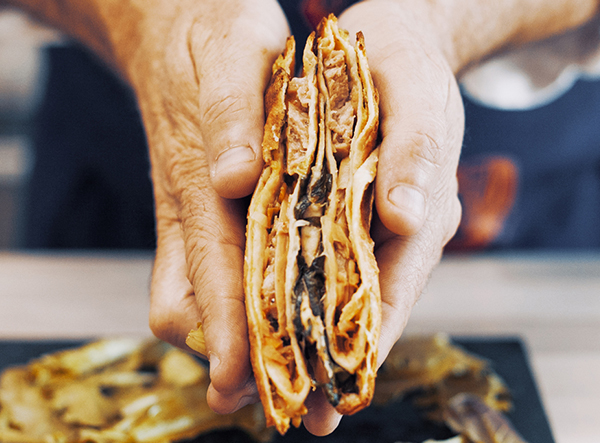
x,y
311,278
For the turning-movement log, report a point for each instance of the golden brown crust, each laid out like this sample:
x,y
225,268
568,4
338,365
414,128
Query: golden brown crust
x,y
262,214
363,161
311,280
275,109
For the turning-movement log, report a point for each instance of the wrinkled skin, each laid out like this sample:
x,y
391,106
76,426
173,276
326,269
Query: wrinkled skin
x,y
199,260
206,103
216,85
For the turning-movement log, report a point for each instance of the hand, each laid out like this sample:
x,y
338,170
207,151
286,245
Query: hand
x,y
201,162
199,74
422,124
201,233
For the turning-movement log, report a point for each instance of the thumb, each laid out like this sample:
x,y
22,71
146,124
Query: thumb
x,y
421,115
233,73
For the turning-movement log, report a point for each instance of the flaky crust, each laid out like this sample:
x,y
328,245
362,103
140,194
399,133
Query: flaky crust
x,y
266,202
310,277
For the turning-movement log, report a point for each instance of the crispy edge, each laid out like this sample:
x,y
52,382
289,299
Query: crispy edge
x,y
256,235
359,209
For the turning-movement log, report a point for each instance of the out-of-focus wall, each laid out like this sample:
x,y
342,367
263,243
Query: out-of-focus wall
x,y
21,83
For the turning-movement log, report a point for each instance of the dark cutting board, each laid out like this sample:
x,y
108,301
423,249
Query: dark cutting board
x,y
397,422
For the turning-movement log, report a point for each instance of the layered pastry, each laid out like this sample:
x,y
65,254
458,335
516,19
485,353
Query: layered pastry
x,y
310,277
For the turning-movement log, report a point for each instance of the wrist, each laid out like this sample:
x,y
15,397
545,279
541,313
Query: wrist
x,y
467,31
470,30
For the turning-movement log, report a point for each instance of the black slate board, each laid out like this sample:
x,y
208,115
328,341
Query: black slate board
x,y
398,422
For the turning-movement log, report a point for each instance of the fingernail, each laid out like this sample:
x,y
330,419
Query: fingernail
x,y
408,199
232,157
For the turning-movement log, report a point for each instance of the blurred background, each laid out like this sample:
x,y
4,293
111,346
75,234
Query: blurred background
x,y
74,171
21,71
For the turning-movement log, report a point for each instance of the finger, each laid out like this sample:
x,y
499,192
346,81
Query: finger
x,y
321,418
227,403
421,117
422,129
404,266
406,262
173,308
233,69
214,250
418,158
201,240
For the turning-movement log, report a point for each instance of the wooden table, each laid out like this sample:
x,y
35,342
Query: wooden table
x,y
551,300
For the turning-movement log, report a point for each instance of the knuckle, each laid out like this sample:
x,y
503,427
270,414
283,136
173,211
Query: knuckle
x,y
224,104
161,326
172,305
399,308
453,219
427,149
449,211
187,183
208,243
198,256
423,153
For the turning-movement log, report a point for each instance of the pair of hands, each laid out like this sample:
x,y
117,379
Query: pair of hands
x,y
199,76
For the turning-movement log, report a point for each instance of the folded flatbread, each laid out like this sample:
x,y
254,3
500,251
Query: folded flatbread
x,y
310,277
